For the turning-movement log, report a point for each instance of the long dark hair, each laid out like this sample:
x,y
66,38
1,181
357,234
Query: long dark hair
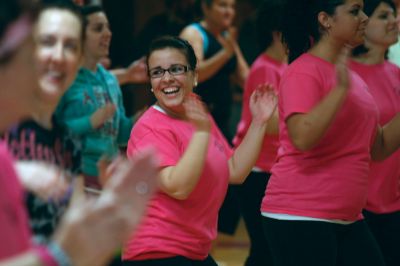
x,y
300,27
87,11
268,20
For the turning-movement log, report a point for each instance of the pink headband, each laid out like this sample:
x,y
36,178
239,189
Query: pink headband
x,y
15,34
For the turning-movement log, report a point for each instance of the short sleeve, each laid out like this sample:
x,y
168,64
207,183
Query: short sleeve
x,y
164,141
298,93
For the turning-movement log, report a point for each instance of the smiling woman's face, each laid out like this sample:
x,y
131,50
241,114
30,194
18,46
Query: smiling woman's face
x,y
171,90
58,52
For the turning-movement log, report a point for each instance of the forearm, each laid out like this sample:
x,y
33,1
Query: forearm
x,y
242,69
273,124
179,181
209,67
29,258
306,130
40,255
387,139
246,154
121,75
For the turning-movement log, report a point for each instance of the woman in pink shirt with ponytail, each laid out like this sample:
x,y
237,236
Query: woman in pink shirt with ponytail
x,y
329,133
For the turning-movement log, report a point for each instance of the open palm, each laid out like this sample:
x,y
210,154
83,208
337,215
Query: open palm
x,y
263,103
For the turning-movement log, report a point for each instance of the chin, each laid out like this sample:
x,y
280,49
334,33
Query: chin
x,y
355,42
51,95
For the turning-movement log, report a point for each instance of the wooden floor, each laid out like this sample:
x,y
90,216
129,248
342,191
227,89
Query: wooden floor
x,y
232,250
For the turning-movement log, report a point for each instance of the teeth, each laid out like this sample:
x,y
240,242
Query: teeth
x,y
55,74
170,90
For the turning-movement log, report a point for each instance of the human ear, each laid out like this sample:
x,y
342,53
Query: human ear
x,y
324,20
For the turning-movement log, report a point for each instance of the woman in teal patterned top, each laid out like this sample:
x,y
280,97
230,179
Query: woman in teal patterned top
x,y
92,109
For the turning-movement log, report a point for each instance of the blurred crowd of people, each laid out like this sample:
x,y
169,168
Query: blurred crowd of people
x,y
312,164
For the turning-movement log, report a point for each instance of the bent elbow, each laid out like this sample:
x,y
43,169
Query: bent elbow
x,y
179,195
302,145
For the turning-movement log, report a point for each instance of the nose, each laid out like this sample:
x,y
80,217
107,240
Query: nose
x,y
393,19
107,32
364,17
167,76
58,53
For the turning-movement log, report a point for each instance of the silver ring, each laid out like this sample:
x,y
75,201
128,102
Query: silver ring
x,y
142,188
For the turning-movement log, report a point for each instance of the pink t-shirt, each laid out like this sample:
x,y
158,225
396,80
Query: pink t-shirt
x,y
383,81
330,181
14,228
264,70
15,237
179,227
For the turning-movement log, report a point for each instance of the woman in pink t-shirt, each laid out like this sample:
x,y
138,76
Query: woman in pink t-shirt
x,y
266,69
196,161
329,133
382,212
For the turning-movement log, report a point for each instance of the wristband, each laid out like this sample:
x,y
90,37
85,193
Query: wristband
x,y
58,254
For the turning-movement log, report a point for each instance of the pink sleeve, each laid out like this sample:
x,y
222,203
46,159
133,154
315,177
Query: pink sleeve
x,y
164,142
298,93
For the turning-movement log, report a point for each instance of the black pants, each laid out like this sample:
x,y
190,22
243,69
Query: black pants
x,y
251,193
314,243
229,213
386,230
173,261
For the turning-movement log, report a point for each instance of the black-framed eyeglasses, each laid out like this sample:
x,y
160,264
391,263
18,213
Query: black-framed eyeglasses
x,y
174,70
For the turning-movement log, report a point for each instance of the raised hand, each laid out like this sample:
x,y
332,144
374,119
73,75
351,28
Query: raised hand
x,y
92,230
196,113
137,71
342,71
228,42
46,181
263,103
101,115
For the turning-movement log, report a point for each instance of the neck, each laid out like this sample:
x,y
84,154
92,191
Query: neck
x,y
43,117
210,27
90,63
328,50
172,113
375,55
277,53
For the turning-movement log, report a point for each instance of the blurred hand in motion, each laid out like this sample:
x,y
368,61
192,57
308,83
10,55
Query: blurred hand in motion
x,y
92,230
46,181
101,115
196,113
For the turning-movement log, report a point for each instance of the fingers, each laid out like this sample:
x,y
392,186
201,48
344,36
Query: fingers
x,y
196,112
262,90
342,72
135,176
102,114
102,166
263,103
